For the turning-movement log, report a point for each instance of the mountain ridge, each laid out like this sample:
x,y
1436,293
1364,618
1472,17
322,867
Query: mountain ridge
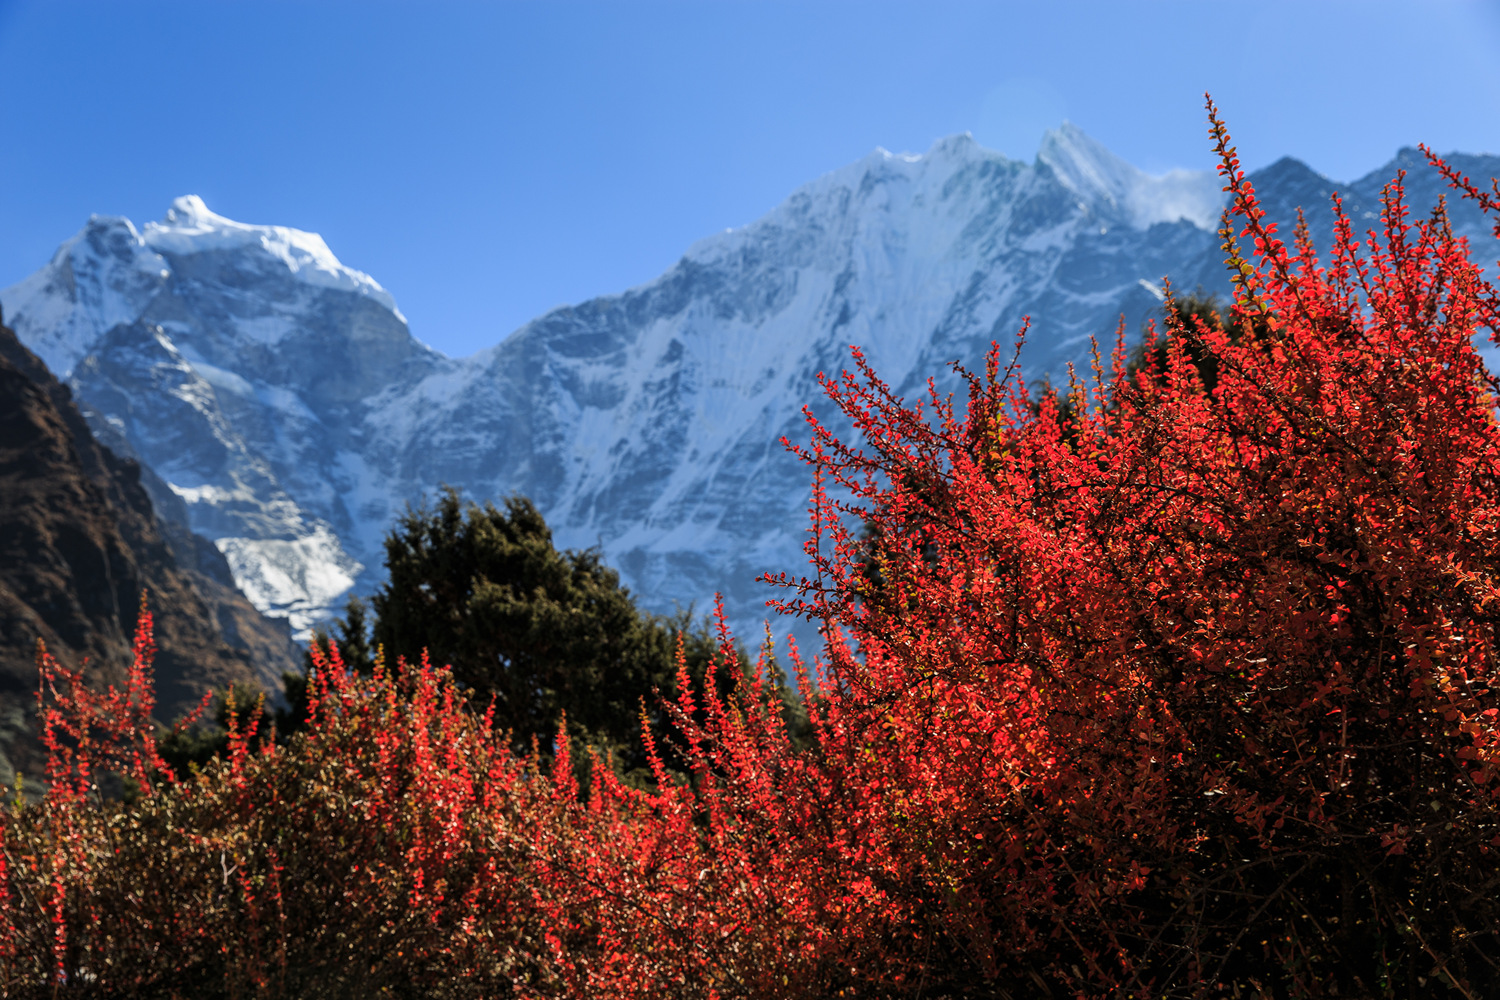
x,y
645,422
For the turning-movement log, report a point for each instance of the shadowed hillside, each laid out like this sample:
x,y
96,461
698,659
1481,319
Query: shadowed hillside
x,y
79,542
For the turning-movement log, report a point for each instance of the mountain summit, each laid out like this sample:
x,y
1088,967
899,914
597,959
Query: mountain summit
x,y
109,273
283,398
1106,182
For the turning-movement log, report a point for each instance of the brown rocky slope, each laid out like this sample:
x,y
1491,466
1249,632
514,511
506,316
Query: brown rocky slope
x,y
79,542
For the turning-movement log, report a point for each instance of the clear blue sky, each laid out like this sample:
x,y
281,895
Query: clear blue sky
x,y
487,162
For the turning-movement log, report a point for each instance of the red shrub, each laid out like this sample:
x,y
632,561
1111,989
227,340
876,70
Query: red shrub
x,y
1161,690
386,849
1178,690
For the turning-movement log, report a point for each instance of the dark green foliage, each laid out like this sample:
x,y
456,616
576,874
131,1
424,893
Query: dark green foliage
x,y
547,633
353,639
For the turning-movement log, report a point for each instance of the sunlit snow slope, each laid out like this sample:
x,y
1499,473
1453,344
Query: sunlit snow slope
x,y
281,395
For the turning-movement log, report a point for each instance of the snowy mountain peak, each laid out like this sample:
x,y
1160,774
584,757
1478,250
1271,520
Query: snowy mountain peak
x,y
109,273
899,183
190,210
101,276
946,155
959,146
191,227
1116,189
1084,166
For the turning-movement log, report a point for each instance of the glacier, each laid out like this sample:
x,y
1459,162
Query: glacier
x,y
282,397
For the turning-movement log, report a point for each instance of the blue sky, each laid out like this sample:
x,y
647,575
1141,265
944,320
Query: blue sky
x,y
486,162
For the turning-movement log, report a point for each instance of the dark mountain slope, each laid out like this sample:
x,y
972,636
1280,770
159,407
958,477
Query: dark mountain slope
x,y
79,542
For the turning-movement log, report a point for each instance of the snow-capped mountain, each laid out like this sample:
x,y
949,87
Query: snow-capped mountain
x,y
281,395
234,360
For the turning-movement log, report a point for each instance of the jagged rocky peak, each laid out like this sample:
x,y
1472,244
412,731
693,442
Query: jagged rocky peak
x,y
959,176
102,276
111,273
923,196
190,227
1114,187
256,342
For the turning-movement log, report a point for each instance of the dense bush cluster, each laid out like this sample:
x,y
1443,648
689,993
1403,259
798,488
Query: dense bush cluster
x,y
1181,685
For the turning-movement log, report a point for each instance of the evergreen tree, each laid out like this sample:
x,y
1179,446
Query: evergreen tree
x,y
548,633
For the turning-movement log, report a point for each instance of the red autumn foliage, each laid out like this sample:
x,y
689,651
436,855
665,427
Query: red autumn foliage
x,y
1188,690
1161,691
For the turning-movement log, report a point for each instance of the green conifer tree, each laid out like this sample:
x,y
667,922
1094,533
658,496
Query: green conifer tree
x,y
547,633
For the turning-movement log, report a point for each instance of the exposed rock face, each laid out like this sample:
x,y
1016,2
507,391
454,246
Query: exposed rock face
x,y
281,396
79,542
